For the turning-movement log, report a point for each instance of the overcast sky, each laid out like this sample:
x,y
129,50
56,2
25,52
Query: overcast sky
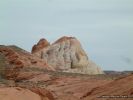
x,y
104,27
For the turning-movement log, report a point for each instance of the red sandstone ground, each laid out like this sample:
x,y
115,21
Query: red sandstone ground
x,y
78,88
119,87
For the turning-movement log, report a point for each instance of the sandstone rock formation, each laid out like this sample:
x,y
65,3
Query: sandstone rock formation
x,y
17,93
16,61
40,45
118,88
34,76
66,54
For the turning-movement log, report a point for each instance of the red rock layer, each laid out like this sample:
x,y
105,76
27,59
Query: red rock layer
x,y
40,45
16,61
119,87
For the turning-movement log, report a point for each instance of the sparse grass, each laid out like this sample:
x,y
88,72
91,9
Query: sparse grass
x,y
66,74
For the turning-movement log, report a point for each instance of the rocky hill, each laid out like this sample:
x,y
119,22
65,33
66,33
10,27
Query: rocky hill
x,y
13,60
67,55
58,71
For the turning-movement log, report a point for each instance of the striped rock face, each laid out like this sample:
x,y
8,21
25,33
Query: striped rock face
x,y
15,61
67,55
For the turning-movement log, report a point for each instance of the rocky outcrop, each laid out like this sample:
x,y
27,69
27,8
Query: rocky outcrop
x,y
17,61
66,54
40,45
45,94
